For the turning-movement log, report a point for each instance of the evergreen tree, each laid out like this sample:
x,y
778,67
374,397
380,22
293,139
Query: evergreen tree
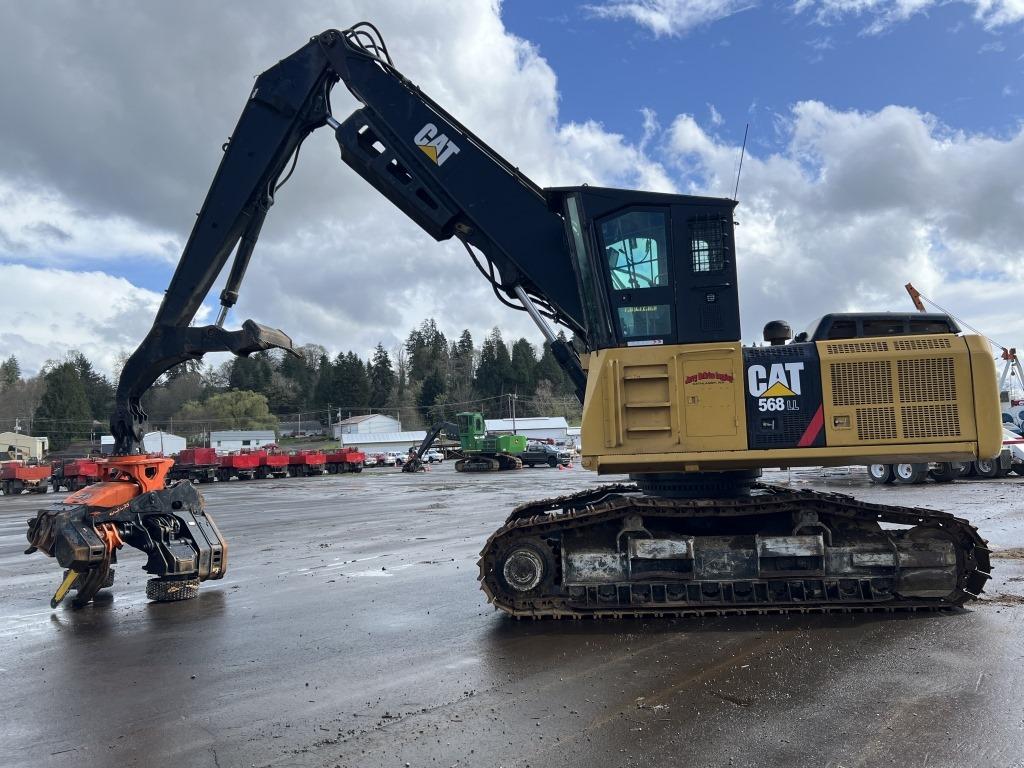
x,y
251,373
63,414
427,349
460,379
322,391
99,392
382,378
10,372
431,395
548,369
523,367
494,374
302,373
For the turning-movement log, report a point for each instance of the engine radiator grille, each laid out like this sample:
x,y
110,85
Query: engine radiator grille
x,y
924,421
897,389
926,379
876,424
867,382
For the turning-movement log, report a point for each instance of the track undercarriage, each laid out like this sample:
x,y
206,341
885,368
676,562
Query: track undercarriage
x,y
615,551
483,462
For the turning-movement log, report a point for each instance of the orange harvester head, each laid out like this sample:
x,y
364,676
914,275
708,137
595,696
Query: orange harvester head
x,y
122,478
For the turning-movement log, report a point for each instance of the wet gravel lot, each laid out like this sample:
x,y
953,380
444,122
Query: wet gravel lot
x,y
350,631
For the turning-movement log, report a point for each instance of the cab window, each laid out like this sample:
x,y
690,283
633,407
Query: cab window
x,y
635,250
707,245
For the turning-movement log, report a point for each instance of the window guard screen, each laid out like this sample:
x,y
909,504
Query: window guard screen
x,y
707,244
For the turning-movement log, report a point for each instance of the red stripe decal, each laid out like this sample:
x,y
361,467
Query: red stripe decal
x,y
813,429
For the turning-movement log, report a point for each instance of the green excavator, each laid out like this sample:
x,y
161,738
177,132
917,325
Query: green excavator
x,y
481,452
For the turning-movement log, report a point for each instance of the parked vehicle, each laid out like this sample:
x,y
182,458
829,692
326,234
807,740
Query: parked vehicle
x,y
242,466
73,474
271,463
433,456
307,463
542,453
17,476
199,465
345,460
370,461
1011,459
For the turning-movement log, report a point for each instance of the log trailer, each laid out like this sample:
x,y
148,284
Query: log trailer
x,y
344,459
18,476
197,465
74,474
647,282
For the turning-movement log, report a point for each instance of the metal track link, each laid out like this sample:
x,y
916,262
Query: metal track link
x,y
605,503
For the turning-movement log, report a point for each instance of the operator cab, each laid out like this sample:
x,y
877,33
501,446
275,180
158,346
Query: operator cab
x,y
652,268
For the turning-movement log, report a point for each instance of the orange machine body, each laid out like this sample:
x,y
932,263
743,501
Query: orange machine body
x,y
122,478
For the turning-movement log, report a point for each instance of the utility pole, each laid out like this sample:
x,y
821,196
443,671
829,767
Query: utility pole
x,y
512,402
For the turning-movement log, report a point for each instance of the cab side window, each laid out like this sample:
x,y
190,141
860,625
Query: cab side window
x,y
635,249
707,245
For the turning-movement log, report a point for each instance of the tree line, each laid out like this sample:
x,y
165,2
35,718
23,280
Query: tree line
x,y
427,378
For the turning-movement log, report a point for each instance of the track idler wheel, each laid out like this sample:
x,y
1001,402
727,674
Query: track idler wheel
x,y
527,567
171,590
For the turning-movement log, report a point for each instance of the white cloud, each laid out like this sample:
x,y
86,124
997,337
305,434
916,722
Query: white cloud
x,y
40,224
859,204
670,17
854,206
883,14
716,116
49,311
677,17
993,46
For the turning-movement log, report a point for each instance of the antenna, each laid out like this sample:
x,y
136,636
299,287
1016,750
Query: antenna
x,y
739,170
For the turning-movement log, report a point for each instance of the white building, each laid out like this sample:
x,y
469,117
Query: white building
x,y
18,446
229,440
370,423
381,442
534,427
163,442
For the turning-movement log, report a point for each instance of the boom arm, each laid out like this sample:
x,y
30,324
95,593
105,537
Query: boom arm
x,y
411,150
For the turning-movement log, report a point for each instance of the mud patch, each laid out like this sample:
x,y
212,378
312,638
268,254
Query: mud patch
x,y
1016,553
1004,599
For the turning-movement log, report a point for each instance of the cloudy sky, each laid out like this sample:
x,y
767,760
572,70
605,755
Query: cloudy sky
x,y
886,145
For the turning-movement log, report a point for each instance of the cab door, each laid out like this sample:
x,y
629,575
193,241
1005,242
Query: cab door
x,y
708,302
635,248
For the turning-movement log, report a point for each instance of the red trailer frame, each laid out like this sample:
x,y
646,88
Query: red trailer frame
x,y
345,460
306,463
199,465
17,476
240,465
271,464
74,474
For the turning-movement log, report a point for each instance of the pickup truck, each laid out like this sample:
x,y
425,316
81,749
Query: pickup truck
x,y
545,454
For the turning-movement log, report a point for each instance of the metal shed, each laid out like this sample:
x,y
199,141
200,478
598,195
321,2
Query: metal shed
x,y
226,441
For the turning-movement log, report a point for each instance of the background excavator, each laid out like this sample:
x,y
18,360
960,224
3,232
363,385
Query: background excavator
x,y
481,451
647,282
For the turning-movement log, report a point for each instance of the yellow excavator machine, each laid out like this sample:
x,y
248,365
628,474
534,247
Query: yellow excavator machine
x,y
647,283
